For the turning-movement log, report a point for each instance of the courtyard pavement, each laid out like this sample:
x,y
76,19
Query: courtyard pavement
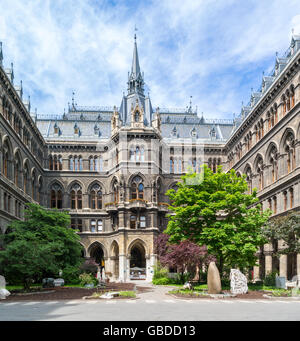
x,y
153,305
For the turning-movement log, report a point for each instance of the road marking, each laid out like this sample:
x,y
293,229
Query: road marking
x,y
262,301
131,301
150,301
30,303
169,301
228,302
51,302
283,301
244,301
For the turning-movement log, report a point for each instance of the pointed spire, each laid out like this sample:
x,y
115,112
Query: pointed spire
x,y
135,68
1,54
135,79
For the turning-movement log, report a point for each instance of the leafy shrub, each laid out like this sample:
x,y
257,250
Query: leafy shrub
x,y
161,281
160,272
270,279
71,275
86,278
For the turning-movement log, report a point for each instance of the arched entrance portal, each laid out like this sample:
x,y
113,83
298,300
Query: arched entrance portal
x,y
97,254
137,262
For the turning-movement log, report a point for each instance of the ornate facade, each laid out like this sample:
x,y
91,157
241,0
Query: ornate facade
x,y
110,167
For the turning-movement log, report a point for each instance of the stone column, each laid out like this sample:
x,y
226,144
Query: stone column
x,y
268,263
122,268
268,258
298,264
256,276
283,266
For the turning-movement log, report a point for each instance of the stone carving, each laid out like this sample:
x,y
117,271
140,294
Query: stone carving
x,y
238,282
59,282
48,282
213,279
3,292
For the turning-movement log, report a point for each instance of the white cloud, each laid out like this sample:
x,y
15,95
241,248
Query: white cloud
x,y
200,48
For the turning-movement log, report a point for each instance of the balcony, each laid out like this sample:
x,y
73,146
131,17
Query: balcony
x,y
137,203
111,206
163,206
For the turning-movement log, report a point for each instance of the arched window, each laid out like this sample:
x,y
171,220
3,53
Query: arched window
x,y
285,200
142,154
171,165
26,179
137,153
275,205
249,178
136,116
96,197
33,185
17,170
284,104
71,163
289,148
76,197
259,169
291,197
56,196
115,189
273,158
137,188
131,154
6,157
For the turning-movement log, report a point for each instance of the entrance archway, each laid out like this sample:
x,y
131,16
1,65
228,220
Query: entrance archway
x,y
96,252
138,262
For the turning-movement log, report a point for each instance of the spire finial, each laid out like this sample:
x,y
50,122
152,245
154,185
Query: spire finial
x,y
135,30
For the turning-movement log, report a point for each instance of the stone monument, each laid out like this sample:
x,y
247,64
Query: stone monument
x,y
213,279
238,282
3,292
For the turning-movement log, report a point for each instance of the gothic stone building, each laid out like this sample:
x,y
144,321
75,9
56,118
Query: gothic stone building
x,y
111,167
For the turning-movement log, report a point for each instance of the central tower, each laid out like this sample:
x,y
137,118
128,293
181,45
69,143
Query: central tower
x,y
135,93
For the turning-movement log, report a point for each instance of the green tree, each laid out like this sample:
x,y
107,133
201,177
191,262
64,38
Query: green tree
x,y
39,246
214,210
287,229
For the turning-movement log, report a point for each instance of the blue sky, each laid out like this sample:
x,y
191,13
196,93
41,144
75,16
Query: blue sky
x,y
212,50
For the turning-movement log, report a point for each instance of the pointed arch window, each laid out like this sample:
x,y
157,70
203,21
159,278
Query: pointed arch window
x,y
76,197
115,189
137,188
290,150
56,196
96,197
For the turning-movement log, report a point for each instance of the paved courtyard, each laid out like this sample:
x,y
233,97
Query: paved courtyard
x,y
152,306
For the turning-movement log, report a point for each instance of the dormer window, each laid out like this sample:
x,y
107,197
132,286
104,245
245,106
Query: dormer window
x,y
194,132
